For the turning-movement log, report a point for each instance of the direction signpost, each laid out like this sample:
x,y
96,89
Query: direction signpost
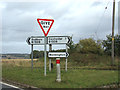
x,y
45,25
34,40
60,40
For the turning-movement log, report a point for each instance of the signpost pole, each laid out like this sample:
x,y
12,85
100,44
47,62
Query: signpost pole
x,y
32,57
66,59
50,49
45,57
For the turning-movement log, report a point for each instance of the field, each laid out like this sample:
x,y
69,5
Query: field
x,y
75,60
20,71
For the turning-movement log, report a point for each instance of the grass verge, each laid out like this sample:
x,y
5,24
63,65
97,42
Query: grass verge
x,y
70,79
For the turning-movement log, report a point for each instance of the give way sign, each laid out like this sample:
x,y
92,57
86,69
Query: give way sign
x,y
45,25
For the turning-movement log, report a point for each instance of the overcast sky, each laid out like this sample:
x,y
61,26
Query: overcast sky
x,y
77,18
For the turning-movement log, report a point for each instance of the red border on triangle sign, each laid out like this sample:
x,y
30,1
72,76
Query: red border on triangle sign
x,y
42,27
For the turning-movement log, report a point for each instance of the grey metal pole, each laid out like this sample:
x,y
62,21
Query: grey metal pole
x,y
32,56
45,57
119,18
58,79
113,19
50,49
66,59
50,64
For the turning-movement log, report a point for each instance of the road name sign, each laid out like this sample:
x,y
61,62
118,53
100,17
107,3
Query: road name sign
x,y
45,25
35,40
58,39
58,54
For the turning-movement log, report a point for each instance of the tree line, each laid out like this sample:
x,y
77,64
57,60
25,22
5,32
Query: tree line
x,y
90,45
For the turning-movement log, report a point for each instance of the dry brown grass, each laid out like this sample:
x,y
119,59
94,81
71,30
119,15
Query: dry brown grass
x,y
17,62
27,62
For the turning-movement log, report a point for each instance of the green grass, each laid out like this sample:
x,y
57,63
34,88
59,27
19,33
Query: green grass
x,y
70,79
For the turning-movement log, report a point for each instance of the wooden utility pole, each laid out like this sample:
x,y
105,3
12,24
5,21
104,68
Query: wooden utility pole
x,y
113,19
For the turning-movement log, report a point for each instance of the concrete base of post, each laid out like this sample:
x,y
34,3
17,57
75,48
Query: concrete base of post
x,y
58,80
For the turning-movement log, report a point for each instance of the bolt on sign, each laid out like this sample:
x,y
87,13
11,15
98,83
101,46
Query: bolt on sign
x,y
45,25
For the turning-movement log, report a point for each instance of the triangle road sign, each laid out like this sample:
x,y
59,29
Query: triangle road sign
x,y
45,25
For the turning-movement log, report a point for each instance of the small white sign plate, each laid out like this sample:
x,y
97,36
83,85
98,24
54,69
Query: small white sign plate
x,y
58,39
58,54
36,40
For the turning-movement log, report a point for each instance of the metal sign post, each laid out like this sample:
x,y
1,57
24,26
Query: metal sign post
x,y
32,57
66,59
50,49
45,25
45,57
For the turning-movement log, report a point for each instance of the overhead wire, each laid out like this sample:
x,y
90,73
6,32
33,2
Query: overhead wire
x,y
98,26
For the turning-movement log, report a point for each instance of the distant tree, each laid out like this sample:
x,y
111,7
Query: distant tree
x,y
37,54
72,46
107,44
41,54
89,46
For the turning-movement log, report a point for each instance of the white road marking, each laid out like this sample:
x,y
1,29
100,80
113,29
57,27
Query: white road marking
x,y
11,85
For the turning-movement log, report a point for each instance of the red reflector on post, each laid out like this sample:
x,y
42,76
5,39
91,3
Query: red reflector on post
x,y
57,61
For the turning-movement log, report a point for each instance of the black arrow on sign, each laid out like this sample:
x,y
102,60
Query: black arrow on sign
x,y
28,40
67,54
69,40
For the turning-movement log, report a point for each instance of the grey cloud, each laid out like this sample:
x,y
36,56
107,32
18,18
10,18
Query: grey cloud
x,y
20,21
26,6
96,3
15,48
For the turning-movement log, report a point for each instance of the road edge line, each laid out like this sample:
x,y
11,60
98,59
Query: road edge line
x,y
11,85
